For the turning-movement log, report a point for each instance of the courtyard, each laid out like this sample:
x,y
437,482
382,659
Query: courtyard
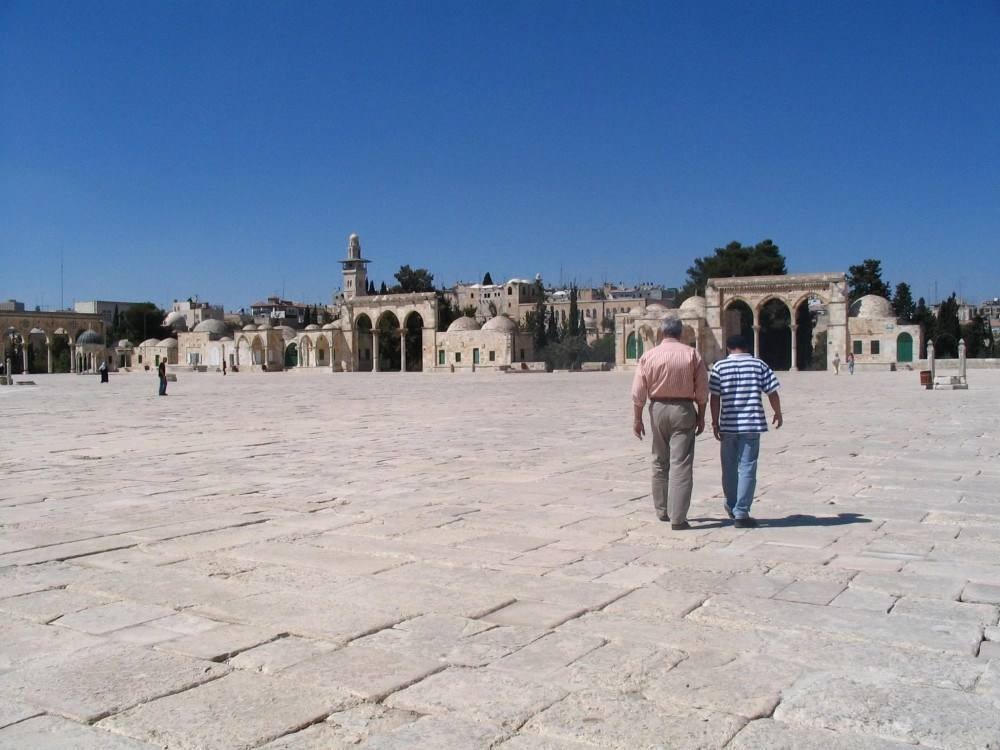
x,y
384,560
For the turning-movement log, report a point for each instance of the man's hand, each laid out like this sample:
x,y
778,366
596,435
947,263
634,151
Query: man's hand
x,y
715,431
776,420
700,427
638,429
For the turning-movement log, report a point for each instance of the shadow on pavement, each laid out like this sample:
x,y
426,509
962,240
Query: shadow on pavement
x,y
788,521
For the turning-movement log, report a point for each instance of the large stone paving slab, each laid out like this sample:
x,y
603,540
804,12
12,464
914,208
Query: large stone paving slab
x,y
480,554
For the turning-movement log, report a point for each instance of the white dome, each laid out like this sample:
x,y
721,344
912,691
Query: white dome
x,y
464,324
330,327
287,332
173,317
216,327
312,327
655,309
90,336
249,327
695,304
124,344
150,342
169,343
500,323
871,306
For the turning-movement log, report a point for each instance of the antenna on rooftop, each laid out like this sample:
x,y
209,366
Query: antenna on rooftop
x,y
61,305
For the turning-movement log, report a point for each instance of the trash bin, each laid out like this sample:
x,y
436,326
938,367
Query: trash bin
x,y
925,378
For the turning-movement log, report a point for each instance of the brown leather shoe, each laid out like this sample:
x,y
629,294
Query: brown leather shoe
x,y
682,526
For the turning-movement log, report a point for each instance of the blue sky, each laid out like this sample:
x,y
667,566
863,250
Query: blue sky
x,y
227,149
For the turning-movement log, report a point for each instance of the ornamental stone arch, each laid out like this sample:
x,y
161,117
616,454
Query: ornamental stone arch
x,y
793,291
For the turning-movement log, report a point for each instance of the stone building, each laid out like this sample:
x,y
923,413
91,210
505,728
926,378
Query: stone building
x,y
774,313
26,333
497,344
877,338
148,354
207,346
193,312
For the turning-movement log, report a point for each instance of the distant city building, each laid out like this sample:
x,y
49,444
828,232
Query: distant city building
x,y
11,305
104,308
990,308
193,312
275,308
966,312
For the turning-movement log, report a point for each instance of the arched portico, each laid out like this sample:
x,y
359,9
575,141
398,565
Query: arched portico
x,y
388,343
788,296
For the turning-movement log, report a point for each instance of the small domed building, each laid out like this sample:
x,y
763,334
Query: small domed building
x,y
876,337
497,344
205,346
151,352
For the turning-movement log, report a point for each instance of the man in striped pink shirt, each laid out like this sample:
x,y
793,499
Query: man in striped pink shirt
x,y
673,377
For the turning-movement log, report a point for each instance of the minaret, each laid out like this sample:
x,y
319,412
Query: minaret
x,y
355,271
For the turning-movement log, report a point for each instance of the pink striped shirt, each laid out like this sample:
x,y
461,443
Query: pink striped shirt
x,y
670,370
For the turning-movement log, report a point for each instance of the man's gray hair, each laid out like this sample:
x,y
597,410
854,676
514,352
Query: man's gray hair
x,y
672,327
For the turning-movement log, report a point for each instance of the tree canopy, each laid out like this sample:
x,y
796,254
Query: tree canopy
x,y
413,280
487,279
902,302
866,278
735,259
140,322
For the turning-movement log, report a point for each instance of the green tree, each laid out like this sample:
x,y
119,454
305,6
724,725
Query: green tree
x,y
902,302
573,324
925,318
447,312
144,321
735,259
413,280
948,330
540,337
469,311
382,289
487,279
866,278
552,327
978,338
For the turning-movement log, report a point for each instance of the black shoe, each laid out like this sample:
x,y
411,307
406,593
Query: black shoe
x,y
682,526
746,523
729,511
663,518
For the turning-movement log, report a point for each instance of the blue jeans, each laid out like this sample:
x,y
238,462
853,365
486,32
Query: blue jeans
x,y
739,470
163,386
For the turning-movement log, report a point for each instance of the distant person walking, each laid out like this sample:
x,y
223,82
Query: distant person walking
x,y
836,363
103,369
162,372
738,420
223,367
672,376
850,363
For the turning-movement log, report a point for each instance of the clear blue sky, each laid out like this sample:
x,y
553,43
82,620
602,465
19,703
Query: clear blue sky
x,y
227,149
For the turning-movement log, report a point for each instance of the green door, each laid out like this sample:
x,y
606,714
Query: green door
x,y
904,348
291,356
630,347
475,356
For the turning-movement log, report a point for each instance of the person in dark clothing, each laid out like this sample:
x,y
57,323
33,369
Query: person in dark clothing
x,y
162,372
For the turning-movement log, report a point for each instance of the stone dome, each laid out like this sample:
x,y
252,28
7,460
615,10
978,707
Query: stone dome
x,y
169,343
330,327
695,304
501,324
124,344
225,338
216,327
176,321
249,327
312,327
287,332
871,306
266,325
90,336
150,342
463,324
655,310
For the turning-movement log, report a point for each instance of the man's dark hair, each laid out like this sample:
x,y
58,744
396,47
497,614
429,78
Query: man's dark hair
x,y
738,342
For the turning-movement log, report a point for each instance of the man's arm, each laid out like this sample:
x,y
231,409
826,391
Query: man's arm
x,y
700,390
775,400
716,402
638,429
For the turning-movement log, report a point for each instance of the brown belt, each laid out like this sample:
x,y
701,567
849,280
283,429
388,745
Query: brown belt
x,y
672,400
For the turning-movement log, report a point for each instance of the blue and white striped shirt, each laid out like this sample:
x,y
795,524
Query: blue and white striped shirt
x,y
739,380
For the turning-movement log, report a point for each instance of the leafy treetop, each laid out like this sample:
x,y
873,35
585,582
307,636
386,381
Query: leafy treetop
x,y
735,259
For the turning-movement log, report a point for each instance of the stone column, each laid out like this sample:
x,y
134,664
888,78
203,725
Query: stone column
x,y
48,354
72,358
374,350
794,361
24,355
402,350
961,359
756,341
930,359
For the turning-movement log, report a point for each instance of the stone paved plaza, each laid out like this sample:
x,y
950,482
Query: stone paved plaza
x,y
397,561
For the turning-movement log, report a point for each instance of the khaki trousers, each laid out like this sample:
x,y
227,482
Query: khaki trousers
x,y
672,425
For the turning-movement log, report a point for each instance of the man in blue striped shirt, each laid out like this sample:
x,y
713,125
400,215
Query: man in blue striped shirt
x,y
735,384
